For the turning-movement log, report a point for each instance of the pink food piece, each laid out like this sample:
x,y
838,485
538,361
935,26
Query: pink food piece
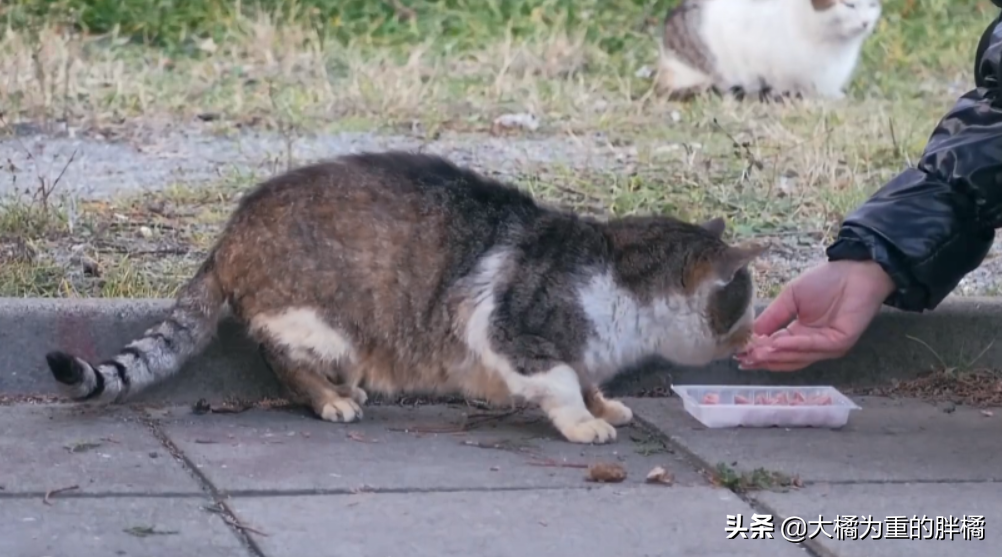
x,y
738,399
711,398
762,399
781,400
821,400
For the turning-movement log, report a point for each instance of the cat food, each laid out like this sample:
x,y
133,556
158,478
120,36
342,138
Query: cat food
x,y
766,406
711,398
797,398
606,472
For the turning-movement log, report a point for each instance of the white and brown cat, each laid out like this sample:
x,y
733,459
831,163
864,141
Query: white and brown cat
x,y
401,273
765,48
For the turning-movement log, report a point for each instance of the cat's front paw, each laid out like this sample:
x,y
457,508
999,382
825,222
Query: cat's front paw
x,y
616,413
592,430
342,410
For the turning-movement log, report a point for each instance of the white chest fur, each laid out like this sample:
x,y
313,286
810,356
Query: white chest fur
x,y
626,330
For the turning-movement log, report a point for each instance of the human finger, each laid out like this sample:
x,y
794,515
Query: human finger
x,y
780,367
761,344
790,348
810,341
777,357
785,361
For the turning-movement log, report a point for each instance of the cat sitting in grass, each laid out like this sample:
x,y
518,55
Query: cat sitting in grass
x,y
402,273
766,48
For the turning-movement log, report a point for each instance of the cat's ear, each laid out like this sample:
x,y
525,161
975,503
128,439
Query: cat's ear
x,y
735,258
715,226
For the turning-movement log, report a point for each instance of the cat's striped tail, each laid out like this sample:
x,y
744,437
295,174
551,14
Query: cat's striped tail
x,y
158,354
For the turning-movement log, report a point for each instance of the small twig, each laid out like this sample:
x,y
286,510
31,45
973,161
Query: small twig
x,y
429,429
131,224
232,520
51,492
237,524
894,138
163,251
480,419
55,183
751,158
978,357
356,436
550,463
470,422
786,233
934,353
573,191
503,445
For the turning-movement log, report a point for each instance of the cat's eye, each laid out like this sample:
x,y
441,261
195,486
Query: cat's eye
x,y
849,4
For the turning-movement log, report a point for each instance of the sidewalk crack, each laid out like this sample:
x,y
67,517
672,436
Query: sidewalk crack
x,y
219,499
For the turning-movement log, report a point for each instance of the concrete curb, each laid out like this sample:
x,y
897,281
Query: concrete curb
x,y
961,332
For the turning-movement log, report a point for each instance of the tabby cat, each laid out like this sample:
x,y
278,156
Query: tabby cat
x,y
403,273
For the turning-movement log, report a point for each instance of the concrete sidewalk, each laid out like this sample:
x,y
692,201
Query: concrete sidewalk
x,y
444,481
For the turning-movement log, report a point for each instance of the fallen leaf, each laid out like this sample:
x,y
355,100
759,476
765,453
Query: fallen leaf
x,y
604,472
659,475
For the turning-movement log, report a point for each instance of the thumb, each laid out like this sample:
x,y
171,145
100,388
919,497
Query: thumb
x,y
780,312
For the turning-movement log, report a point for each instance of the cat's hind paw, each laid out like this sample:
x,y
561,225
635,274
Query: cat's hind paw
x,y
341,410
593,430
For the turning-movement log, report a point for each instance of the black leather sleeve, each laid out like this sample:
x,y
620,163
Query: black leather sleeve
x,y
933,224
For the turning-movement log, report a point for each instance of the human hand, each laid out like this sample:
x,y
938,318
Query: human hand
x,y
830,306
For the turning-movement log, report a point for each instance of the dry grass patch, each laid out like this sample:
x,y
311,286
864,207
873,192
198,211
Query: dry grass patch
x,y
787,172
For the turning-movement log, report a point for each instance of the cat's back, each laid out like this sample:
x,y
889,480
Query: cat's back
x,y
390,214
392,184
754,28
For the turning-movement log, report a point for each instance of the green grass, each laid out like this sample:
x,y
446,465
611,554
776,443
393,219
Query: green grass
x,y
452,67
362,58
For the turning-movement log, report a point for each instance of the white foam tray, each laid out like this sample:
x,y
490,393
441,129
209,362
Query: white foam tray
x,y
726,413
